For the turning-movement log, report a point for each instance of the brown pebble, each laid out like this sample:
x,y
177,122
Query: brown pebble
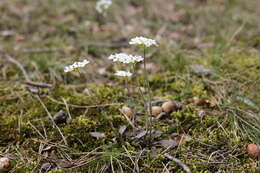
x,y
127,111
168,106
60,117
156,110
5,164
252,150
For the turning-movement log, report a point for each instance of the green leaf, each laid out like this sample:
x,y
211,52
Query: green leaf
x,y
248,102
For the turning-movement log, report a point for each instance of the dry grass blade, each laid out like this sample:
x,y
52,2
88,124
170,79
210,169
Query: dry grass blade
x,y
36,129
165,169
184,167
129,121
111,162
136,168
67,108
49,115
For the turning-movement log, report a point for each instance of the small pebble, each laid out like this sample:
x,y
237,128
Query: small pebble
x,y
168,106
156,110
252,150
5,164
60,117
127,111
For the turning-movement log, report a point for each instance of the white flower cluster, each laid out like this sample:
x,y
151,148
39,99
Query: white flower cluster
x,y
147,42
103,5
75,65
123,73
125,58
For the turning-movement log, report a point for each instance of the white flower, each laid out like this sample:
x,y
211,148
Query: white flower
x,y
125,58
123,73
103,5
147,42
75,65
137,58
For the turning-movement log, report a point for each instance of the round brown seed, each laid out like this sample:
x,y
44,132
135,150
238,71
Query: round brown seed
x,y
156,110
168,106
127,111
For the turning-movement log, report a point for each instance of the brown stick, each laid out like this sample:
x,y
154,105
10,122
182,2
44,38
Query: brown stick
x,y
28,80
39,84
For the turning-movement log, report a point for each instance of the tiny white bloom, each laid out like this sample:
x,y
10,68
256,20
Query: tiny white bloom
x,y
137,58
103,5
67,69
75,65
123,73
125,58
147,42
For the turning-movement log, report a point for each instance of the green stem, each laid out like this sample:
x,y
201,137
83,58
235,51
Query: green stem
x,y
127,86
149,110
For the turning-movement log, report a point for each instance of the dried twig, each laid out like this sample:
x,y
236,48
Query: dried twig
x,y
39,84
184,167
18,64
28,80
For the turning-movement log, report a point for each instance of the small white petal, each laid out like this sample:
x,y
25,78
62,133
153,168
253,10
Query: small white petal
x,y
123,73
75,65
125,58
147,42
103,5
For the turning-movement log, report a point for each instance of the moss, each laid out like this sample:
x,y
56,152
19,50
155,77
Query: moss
x,y
219,136
57,171
116,120
25,167
199,90
178,85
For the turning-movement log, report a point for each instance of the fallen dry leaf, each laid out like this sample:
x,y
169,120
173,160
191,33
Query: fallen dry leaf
x,y
122,129
168,143
97,134
141,134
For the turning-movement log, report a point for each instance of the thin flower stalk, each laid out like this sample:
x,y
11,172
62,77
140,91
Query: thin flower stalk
x,y
145,43
149,104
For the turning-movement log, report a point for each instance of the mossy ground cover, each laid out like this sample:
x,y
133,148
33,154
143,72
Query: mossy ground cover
x,y
45,36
